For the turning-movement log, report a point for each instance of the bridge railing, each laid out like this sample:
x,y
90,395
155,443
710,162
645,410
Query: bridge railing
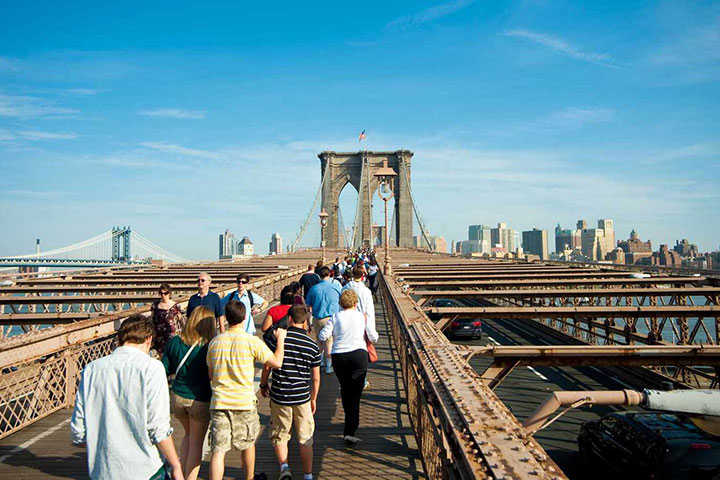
x,y
40,371
462,428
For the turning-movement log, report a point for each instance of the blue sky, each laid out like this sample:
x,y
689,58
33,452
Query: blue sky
x,y
182,120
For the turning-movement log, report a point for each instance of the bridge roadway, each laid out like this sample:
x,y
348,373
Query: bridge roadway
x,y
388,450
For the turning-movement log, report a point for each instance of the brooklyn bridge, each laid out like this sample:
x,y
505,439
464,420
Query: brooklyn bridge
x,y
437,407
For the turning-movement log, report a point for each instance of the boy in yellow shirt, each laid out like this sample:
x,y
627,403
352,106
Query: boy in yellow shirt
x,y
234,421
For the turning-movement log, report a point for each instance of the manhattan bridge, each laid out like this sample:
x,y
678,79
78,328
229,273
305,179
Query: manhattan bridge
x,y
562,343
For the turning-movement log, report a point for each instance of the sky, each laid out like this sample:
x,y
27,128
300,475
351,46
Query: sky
x,y
183,119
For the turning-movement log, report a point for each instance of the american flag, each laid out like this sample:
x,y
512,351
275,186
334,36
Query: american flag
x,y
362,136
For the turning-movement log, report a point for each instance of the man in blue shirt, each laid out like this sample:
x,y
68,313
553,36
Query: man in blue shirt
x,y
242,294
208,299
324,300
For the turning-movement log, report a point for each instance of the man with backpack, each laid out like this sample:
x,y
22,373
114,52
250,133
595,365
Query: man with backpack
x,y
253,302
293,392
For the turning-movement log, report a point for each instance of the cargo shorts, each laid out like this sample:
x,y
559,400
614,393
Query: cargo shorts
x,y
282,419
236,429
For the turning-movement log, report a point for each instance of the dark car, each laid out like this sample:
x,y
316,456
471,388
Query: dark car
x,y
440,303
646,445
464,328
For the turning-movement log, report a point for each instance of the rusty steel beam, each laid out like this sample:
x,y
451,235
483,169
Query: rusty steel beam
x,y
38,344
607,355
50,318
119,287
486,440
560,282
582,312
576,292
75,299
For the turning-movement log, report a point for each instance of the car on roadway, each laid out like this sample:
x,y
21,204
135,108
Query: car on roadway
x,y
464,328
648,445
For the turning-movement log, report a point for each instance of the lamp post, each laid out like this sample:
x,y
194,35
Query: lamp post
x,y
323,223
386,177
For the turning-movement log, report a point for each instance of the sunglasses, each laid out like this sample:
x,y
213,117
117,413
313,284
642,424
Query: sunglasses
x,y
164,293
242,281
201,280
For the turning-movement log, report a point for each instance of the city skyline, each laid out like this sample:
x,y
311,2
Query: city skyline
x,y
532,113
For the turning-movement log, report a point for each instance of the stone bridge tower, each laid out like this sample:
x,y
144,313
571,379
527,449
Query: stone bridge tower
x,y
359,170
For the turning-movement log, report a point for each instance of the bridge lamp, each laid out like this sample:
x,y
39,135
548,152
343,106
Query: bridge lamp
x,y
386,178
323,223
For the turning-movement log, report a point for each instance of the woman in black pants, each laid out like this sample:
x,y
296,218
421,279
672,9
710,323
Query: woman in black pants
x,y
349,328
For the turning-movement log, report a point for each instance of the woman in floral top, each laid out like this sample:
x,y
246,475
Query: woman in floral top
x,y
167,318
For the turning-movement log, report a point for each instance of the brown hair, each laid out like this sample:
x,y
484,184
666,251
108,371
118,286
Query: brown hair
x,y
135,329
348,299
200,327
357,272
164,287
235,312
298,313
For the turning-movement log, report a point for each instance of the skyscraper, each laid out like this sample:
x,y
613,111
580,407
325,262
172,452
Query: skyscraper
x,y
479,232
275,244
228,245
246,247
503,236
597,242
536,242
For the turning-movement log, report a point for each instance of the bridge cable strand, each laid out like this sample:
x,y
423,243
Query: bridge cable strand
x,y
312,210
155,249
412,201
90,242
357,221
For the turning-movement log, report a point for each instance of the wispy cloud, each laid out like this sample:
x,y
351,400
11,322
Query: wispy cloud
x,y
25,106
180,150
429,14
6,135
38,135
174,113
560,46
83,91
559,121
39,194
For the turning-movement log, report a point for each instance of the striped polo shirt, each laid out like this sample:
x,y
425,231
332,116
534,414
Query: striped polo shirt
x,y
291,383
231,360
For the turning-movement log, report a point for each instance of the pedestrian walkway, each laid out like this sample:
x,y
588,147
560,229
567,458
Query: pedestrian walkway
x,y
388,450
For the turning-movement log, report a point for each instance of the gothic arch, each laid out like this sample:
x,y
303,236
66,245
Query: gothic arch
x,y
343,168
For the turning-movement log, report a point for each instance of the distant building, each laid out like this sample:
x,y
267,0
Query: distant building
x,y
567,239
597,242
437,243
469,247
685,248
617,256
666,257
275,244
379,235
535,242
636,251
246,247
228,245
503,236
479,232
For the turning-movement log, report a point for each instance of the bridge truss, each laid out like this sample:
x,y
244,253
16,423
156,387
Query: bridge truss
x,y
462,427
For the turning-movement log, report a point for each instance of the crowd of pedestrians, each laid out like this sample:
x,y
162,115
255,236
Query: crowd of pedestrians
x,y
206,375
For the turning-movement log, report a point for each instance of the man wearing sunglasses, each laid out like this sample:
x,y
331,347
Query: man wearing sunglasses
x,y
254,303
208,299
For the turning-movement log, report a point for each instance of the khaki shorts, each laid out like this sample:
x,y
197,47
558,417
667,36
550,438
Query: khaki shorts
x,y
183,407
233,429
283,417
318,324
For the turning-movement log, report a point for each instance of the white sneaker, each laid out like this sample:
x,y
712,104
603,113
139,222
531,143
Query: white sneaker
x,y
329,369
351,439
285,474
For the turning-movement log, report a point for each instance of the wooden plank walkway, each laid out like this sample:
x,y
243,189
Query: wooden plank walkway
x,y
388,450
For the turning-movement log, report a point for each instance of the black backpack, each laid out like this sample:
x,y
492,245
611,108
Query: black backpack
x,y
269,334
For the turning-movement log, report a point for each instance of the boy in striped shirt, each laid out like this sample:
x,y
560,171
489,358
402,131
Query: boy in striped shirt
x,y
293,394
234,421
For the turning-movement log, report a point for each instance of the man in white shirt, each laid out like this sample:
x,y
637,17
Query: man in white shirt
x,y
122,410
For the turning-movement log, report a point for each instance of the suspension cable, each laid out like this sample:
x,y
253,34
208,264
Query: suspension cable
x,y
312,209
412,201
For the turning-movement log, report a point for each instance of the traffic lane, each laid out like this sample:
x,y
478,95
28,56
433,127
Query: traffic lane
x,y
526,388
